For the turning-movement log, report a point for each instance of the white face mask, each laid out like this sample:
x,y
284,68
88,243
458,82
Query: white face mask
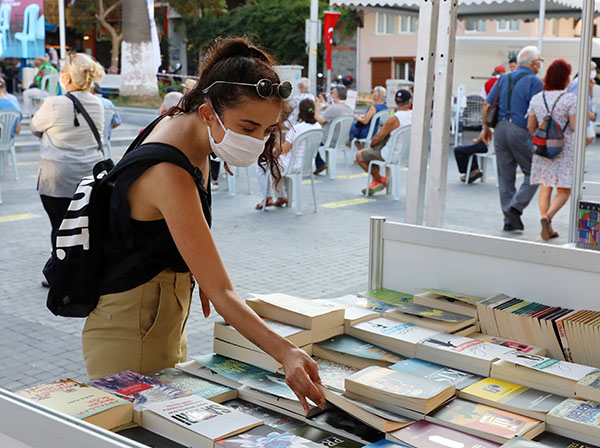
x,y
593,74
237,149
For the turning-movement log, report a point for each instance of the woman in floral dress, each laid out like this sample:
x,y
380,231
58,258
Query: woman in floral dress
x,y
558,172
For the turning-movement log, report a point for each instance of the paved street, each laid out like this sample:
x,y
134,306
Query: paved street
x,y
313,255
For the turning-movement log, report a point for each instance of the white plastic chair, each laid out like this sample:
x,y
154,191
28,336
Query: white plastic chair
x,y
5,11
48,88
8,119
399,142
232,180
292,177
108,117
341,127
30,17
374,125
482,159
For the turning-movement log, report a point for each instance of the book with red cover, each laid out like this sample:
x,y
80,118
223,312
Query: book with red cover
x,y
423,434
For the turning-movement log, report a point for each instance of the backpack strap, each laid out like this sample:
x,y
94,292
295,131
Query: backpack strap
x,y
79,108
142,135
511,86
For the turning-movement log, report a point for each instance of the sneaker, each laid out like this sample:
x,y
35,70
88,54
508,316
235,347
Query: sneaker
x,y
320,169
374,187
214,186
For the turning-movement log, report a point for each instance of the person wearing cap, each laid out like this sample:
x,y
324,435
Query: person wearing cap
x,y
7,104
188,85
337,109
499,70
379,149
108,104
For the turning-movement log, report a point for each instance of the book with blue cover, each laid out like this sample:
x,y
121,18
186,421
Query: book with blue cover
x,y
197,386
354,352
266,437
386,444
436,372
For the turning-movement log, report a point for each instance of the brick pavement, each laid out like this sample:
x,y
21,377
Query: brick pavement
x,y
314,255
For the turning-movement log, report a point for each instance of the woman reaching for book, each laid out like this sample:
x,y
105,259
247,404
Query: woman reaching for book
x,y
139,324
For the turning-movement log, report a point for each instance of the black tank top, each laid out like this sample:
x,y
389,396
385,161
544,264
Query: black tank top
x,y
126,235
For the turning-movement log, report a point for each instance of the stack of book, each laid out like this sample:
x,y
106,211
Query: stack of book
x,y
435,319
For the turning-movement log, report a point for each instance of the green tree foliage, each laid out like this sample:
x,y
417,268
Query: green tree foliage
x,y
192,10
277,25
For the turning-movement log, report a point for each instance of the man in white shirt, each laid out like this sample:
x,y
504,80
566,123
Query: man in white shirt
x,y
379,149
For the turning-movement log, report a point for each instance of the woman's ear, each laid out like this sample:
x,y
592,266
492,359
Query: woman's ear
x,y
206,113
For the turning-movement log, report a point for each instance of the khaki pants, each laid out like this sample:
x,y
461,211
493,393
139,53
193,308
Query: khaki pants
x,y
142,329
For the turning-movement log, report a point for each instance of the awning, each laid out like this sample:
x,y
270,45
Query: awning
x,y
478,9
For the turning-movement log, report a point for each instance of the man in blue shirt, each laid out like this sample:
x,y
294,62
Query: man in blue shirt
x,y
511,135
7,104
108,104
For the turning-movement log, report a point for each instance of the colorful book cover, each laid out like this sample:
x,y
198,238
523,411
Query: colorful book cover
x,y
266,437
324,438
436,372
424,434
466,346
138,388
432,313
356,347
591,380
197,386
523,348
395,383
391,328
386,444
563,369
388,296
73,398
485,419
472,300
555,441
341,421
333,374
271,418
579,411
514,395
251,376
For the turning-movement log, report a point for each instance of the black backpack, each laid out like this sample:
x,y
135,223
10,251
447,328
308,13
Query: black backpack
x,y
75,270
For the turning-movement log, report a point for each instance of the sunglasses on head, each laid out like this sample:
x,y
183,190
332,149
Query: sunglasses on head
x,y
264,87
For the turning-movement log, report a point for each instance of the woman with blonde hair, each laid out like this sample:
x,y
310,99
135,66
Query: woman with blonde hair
x,y
68,147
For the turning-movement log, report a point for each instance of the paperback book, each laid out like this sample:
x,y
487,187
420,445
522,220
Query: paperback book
x,y
296,335
433,318
266,437
333,374
589,387
436,372
555,441
568,370
485,421
324,438
576,418
272,418
82,401
388,296
149,438
354,352
195,385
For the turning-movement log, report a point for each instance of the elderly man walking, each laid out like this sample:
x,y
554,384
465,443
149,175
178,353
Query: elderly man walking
x,y
512,93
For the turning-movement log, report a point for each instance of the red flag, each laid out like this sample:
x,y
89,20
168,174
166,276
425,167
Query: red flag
x,y
329,21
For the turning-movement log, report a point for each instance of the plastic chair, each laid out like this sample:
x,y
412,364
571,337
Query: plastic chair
x,y
40,28
232,180
108,117
399,142
341,126
30,17
292,177
8,119
482,159
49,86
374,125
5,11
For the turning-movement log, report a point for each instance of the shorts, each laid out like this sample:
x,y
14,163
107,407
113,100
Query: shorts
x,y
371,154
591,131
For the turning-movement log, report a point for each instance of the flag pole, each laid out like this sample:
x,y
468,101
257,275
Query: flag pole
x,y
61,32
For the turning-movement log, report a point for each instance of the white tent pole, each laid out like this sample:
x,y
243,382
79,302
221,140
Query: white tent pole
x,y
585,56
61,32
542,20
421,116
444,74
312,45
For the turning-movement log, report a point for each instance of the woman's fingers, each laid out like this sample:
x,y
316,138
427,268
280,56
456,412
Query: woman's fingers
x,y
302,385
205,301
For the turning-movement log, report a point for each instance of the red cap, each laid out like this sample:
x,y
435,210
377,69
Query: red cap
x,y
500,69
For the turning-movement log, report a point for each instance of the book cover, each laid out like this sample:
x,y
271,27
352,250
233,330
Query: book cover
x,y
514,395
269,417
523,348
387,444
299,336
137,388
388,296
591,380
324,438
203,417
149,438
81,401
555,441
436,372
357,347
485,419
563,369
578,411
336,420
472,300
352,301
424,434
432,313
197,386
466,346
394,383
266,437
333,374
391,328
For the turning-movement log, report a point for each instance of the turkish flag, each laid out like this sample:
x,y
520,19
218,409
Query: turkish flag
x,y
329,21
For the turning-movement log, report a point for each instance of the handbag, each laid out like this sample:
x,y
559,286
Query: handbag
x,y
491,117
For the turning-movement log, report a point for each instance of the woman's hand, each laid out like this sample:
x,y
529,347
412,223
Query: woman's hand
x,y
301,372
205,303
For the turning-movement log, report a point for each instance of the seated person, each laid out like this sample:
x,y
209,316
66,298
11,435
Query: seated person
x,y
171,100
7,104
304,89
306,122
44,68
462,154
360,128
337,109
108,104
379,149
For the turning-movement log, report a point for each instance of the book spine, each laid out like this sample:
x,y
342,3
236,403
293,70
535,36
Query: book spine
x,y
560,326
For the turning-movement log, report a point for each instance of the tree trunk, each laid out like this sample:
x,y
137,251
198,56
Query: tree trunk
x,y
137,62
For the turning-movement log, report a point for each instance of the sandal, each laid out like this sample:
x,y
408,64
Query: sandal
x,y
260,205
545,222
280,202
